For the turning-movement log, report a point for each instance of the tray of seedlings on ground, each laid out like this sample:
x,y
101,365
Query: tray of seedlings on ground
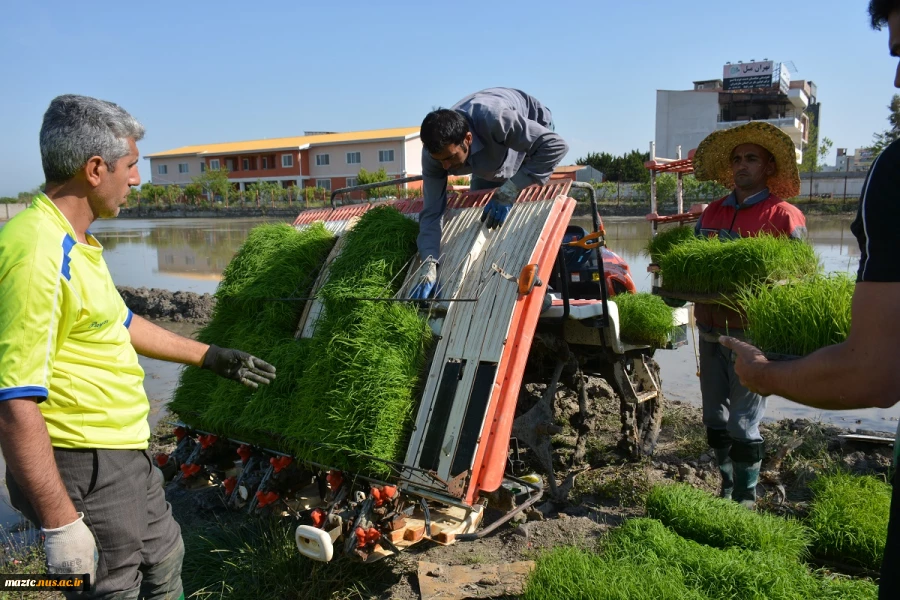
x,y
348,393
849,518
692,546
644,320
798,317
713,270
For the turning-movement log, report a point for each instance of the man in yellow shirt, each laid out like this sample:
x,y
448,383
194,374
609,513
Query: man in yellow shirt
x,y
73,411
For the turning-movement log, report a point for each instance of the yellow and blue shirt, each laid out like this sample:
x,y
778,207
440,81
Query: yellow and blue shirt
x,y
64,334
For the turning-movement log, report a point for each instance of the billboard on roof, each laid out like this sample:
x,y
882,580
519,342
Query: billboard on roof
x,y
752,75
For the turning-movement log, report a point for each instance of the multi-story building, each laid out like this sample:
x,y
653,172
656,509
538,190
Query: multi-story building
x,y
317,159
754,91
861,160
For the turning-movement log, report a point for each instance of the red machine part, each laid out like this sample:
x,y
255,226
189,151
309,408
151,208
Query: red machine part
x,y
263,499
318,518
383,494
245,452
162,459
490,458
180,432
280,462
188,470
207,440
335,479
365,537
229,484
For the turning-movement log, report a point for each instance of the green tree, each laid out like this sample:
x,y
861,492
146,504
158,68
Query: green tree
x,y
814,154
214,183
628,167
172,193
193,192
882,140
152,193
365,177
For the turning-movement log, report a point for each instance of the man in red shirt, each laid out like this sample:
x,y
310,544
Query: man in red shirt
x,y
759,162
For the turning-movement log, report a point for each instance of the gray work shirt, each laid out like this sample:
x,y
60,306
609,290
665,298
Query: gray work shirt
x,y
512,138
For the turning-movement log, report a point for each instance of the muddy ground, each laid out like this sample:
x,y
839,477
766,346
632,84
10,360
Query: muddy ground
x,y
155,303
609,487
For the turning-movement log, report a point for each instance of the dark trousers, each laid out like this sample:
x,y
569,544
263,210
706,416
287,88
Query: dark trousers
x,y
138,541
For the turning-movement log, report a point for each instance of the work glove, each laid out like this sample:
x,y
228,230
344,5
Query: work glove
x,y
499,205
71,550
239,366
427,280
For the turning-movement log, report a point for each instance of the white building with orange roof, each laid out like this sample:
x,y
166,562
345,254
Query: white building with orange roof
x,y
325,160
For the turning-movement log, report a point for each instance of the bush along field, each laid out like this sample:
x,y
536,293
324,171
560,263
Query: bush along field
x,y
694,545
341,396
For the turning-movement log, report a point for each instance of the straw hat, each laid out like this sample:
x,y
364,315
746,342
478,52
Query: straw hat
x,y
712,160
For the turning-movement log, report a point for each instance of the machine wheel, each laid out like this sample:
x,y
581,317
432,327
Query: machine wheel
x,y
641,420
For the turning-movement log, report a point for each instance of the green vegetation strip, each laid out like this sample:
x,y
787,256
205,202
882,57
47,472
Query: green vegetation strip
x,y
710,266
644,319
347,393
699,516
849,517
800,317
645,560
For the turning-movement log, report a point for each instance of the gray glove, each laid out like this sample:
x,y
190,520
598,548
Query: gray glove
x,y
71,549
239,366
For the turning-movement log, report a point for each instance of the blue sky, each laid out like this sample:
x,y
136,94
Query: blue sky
x,y
199,72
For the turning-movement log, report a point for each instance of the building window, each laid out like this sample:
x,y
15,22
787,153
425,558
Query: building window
x,y
203,167
325,184
229,163
322,160
182,167
385,156
162,169
265,162
354,158
287,161
245,164
214,164
351,181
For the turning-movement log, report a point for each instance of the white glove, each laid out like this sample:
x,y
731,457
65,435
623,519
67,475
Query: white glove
x,y
71,549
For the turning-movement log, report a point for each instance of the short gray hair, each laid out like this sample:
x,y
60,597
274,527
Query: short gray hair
x,y
75,128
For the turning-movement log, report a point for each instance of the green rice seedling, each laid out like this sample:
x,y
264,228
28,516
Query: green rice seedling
x,y
731,573
665,239
799,317
713,521
644,319
275,262
849,518
577,574
710,266
643,559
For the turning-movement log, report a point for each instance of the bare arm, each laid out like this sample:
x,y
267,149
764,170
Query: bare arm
x,y
153,341
862,372
29,456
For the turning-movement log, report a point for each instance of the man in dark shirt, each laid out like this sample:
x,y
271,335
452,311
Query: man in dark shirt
x,y
862,371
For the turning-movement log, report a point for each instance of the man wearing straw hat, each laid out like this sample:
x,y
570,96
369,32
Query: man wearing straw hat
x,y
862,371
759,163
